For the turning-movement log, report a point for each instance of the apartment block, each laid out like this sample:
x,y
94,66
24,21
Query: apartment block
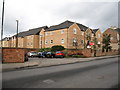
x,y
69,34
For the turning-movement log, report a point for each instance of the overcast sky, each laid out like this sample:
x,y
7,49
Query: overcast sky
x,y
36,13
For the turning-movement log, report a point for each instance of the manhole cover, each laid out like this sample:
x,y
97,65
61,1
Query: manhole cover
x,y
48,81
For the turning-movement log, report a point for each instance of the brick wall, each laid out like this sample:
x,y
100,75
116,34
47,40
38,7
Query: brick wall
x,y
13,55
90,53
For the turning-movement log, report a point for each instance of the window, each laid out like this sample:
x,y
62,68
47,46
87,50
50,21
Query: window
x,y
40,42
111,38
82,33
92,35
118,37
88,34
82,41
46,33
98,35
46,41
75,42
75,31
31,43
62,40
28,44
51,41
40,35
51,33
62,31
98,42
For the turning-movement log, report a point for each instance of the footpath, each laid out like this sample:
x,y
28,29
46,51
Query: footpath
x,y
46,62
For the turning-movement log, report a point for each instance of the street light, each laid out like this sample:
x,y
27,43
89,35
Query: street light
x,y
41,41
17,34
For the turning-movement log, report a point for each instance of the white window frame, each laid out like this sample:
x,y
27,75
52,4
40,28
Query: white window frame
x,y
92,35
46,41
62,31
111,38
75,31
62,41
82,33
46,33
98,35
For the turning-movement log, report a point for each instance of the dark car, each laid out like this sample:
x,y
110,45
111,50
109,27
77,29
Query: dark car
x,y
42,54
50,54
59,54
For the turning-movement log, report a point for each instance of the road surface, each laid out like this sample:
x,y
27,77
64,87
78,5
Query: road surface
x,y
94,74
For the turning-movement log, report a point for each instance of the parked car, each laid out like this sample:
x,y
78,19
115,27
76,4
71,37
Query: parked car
x,y
59,54
50,54
42,54
32,54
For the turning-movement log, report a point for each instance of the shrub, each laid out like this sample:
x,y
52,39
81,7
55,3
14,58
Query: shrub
x,y
57,48
45,50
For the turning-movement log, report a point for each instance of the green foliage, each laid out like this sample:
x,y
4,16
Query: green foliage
x,y
78,56
57,48
106,42
45,50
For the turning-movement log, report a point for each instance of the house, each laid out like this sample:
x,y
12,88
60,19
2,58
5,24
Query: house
x,y
115,37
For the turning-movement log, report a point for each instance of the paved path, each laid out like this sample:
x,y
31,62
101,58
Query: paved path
x,y
41,62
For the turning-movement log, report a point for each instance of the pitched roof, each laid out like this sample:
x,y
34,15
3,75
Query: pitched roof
x,y
6,38
95,30
117,29
65,24
31,32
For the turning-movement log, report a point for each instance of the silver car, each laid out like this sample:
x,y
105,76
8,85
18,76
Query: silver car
x,y
32,54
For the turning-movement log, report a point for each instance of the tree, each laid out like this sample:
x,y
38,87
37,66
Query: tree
x,y
57,48
106,42
88,37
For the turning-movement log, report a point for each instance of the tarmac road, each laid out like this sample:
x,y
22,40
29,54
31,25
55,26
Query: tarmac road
x,y
93,74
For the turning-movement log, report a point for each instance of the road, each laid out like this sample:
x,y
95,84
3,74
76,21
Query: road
x,y
94,74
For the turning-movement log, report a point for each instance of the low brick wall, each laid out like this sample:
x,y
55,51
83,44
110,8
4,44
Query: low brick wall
x,y
13,55
90,53
85,52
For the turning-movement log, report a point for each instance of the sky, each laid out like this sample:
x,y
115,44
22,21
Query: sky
x,y
100,14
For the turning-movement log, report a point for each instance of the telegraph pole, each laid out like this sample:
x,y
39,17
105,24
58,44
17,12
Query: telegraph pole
x,y
2,24
1,52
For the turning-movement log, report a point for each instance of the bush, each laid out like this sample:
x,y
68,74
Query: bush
x,y
45,50
57,48
78,56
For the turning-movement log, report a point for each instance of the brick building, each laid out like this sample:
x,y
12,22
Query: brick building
x,y
69,34
115,37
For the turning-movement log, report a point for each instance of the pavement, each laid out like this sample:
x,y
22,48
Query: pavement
x,y
47,62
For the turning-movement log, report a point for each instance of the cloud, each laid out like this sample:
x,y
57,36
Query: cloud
x,y
37,13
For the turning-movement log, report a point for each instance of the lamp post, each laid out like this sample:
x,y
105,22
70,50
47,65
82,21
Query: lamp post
x,y
17,34
41,41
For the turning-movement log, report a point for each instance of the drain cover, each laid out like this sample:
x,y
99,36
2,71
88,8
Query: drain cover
x,y
48,81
